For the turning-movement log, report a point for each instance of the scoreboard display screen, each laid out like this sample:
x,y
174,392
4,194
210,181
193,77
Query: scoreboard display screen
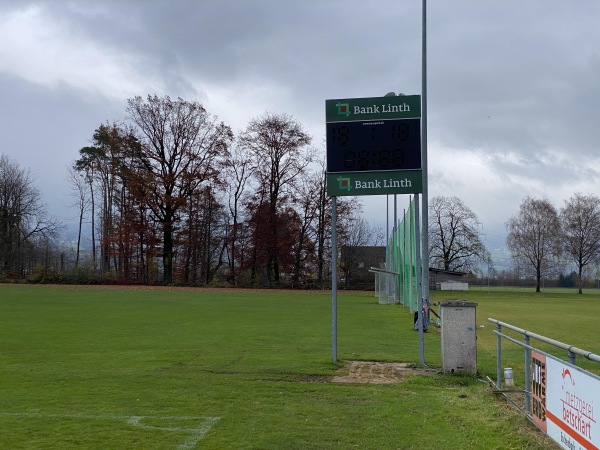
x,y
378,145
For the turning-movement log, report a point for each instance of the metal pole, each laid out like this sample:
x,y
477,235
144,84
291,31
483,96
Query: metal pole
x,y
395,250
406,277
395,210
572,357
419,287
412,252
334,279
527,376
387,217
499,357
425,198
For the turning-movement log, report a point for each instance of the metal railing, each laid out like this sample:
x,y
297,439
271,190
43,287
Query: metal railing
x,y
571,352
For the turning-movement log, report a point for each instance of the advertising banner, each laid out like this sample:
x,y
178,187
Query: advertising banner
x,y
564,398
374,146
374,183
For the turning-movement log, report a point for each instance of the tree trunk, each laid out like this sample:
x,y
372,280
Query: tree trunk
x,y
168,248
79,236
273,261
142,262
93,225
298,259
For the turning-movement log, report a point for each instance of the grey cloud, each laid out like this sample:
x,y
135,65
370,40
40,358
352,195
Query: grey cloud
x,y
503,77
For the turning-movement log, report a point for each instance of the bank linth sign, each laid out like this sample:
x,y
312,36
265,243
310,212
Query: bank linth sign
x,y
374,146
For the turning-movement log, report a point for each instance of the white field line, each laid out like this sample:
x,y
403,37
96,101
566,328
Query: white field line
x,y
196,432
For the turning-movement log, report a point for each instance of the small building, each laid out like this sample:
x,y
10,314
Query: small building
x,y
356,262
447,280
451,286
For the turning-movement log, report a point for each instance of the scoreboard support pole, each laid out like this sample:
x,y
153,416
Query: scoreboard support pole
x,y
419,275
334,279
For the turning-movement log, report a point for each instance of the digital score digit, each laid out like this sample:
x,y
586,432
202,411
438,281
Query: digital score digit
x,y
374,146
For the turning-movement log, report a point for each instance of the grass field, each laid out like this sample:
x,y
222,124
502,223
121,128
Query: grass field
x,y
115,368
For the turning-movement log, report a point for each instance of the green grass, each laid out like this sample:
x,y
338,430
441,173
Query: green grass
x,y
110,368
560,314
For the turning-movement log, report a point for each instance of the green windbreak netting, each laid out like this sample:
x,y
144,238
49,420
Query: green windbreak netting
x,y
398,283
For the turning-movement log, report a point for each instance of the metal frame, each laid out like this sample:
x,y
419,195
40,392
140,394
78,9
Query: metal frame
x,y
572,353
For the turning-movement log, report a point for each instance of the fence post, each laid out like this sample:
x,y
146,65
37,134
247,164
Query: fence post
x,y
499,356
572,357
527,376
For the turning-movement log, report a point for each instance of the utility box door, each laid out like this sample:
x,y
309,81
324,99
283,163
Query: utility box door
x,y
459,339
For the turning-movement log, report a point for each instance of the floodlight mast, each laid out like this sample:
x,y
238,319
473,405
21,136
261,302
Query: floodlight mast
x,y
425,192
422,236
419,273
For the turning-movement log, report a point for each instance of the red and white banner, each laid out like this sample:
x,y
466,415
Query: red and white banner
x,y
563,401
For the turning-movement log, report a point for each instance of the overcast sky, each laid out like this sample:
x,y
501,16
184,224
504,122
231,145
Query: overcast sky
x,y
513,86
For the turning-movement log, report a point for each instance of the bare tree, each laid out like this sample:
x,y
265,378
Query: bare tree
x,y
85,166
580,220
81,200
454,238
203,236
534,238
279,147
357,232
237,172
354,232
307,207
181,148
323,225
102,163
23,217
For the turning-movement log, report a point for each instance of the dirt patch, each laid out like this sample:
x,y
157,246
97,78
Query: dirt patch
x,y
371,372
